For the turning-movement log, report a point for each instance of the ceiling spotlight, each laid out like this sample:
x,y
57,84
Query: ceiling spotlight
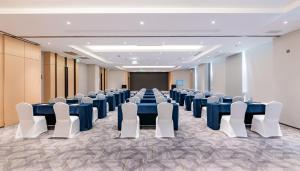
x,y
239,42
213,22
142,23
134,62
49,43
285,22
88,43
125,43
68,22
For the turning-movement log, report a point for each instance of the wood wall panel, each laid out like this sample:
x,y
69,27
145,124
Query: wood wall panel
x,y
13,46
77,78
49,76
60,76
70,64
32,80
32,51
14,87
1,82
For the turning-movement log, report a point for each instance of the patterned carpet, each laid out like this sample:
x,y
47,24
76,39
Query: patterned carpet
x,y
195,147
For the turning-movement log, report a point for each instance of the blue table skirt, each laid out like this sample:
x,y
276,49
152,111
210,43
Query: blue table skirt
x,y
72,101
148,100
216,110
177,95
101,106
148,96
188,101
111,102
171,94
181,99
147,113
122,94
83,111
227,99
127,92
117,98
197,106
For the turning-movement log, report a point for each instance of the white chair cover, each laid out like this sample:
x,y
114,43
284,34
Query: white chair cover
x,y
60,99
237,98
66,126
29,126
164,121
233,125
268,125
100,96
131,122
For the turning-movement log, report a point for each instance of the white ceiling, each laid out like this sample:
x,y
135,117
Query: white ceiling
x,y
176,22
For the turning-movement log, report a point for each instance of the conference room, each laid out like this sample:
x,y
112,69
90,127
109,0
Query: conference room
x,y
140,85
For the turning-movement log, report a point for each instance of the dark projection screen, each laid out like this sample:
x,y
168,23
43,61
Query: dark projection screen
x,y
148,80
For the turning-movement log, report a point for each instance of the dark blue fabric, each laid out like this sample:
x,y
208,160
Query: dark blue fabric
x,y
177,95
101,106
188,101
111,102
83,111
122,94
149,96
92,96
227,99
127,94
171,94
216,110
147,113
117,98
148,100
72,101
197,106
181,99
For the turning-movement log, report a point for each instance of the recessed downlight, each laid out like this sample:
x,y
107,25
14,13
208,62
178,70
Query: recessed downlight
x,y
49,43
142,23
68,23
134,62
285,22
213,22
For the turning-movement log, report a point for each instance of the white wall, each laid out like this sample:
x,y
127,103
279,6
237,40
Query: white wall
x,y
233,75
286,76
203,77
260,72
218,84
93,77
116,78
82,78
185,75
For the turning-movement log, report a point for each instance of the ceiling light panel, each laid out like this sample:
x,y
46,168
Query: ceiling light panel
x,y
135,48
148,66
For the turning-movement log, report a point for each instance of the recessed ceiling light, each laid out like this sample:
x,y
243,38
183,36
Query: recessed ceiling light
x,y
49,43
88,43
285,22
125,43
68,22
142,23
213,22
134,62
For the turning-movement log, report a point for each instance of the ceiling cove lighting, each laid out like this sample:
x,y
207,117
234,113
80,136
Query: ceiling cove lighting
x,y
142,23
285,22
68,23
89,54
148,67
213,22
134,62
205,53
136,48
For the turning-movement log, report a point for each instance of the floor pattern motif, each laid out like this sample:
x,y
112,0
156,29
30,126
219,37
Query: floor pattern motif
x,y
196,147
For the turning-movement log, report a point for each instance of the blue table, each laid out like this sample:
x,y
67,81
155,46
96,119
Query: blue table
x,y
149,96
72,101
177,95
181,99
117,98
122,97
188,101
171,94
216,110
111,102
148,100
101,106
147,113
227,99
83,111
197,106
127,92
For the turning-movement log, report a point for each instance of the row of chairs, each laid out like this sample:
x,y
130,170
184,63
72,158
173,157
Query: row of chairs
x,y
31,126
266,125
131,123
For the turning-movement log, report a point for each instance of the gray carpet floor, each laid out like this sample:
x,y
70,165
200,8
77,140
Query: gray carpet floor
x,y
196,147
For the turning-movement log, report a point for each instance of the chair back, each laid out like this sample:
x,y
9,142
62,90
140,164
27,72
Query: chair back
x,y
62,111
110,93
129,111
165,111
237,98
213,99
60,99
199,95
100,96
160,99
52,100
25,112
91,93
79,96
273,111
87,100
238,111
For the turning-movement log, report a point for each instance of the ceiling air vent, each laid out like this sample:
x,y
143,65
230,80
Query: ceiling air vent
x,y
71,53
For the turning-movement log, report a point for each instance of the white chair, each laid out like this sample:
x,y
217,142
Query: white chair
x,y
164,122
268,125
79,96
131,122
237,98
211,99
91,93
233,125
95,110
29,126
160,99
66,126
60,99
52,100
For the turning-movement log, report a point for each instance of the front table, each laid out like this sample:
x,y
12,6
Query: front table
x,y
83,111
147,113
216,110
